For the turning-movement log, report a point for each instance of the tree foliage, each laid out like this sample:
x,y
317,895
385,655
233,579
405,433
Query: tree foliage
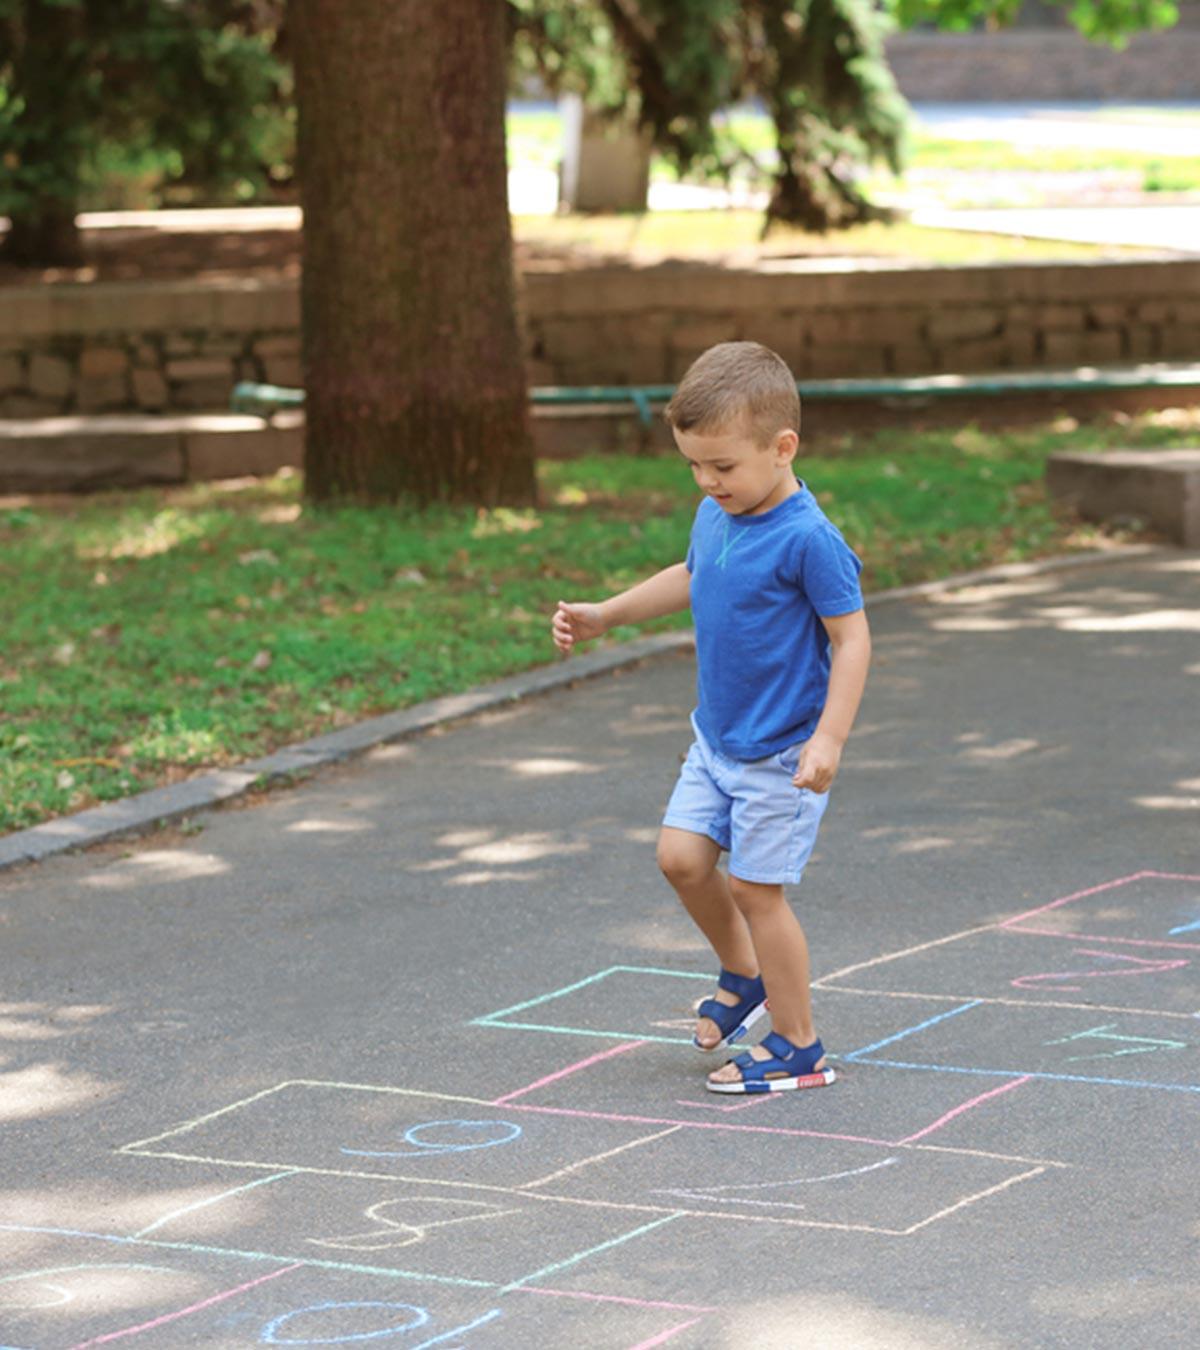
x,y
819,67
200,80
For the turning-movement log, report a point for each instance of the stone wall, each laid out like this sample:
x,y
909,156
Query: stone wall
x,y
178,347
149,347
1047,67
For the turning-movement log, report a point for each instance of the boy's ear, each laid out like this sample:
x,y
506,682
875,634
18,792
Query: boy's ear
x,y
787,442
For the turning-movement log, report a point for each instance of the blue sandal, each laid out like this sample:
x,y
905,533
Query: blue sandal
x,y
790,1067
733,1021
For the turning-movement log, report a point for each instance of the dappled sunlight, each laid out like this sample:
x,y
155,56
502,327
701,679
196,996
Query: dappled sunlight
x,y
99,1287
317,825
1150,621
1118,1300
1179,565
41,1021
641,834
520,848
978,623
546,768
673,939
928,843
158,865
1010,749
483,878
1168,803
842,1322
48,1090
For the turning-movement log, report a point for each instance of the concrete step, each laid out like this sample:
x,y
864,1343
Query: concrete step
x,y
1159,487
81,454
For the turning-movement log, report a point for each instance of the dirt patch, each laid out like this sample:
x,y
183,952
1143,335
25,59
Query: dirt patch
x,y
151,253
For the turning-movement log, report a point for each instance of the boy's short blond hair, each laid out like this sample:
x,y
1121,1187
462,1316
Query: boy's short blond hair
x,y
736,385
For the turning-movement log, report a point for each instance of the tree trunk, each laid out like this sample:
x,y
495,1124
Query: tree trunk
x,y
49,135
413,357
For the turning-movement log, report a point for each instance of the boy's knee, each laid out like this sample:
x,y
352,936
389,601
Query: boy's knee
x,y
683,863
753,897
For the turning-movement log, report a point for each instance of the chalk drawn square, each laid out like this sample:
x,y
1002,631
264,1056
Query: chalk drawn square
x,y
620,1003
442,1234
665,1084
358,1130
763,1178
64,1289
1149,908
1080,1045
1027,968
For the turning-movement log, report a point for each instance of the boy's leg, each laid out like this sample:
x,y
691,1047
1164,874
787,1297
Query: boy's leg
x,y
689,862
782,951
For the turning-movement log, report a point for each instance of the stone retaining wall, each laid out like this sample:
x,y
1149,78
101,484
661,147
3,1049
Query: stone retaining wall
x,y
1044,67
178,347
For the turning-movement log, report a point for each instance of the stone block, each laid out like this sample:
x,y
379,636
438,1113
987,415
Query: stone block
x,y
51,376
77,454
199,368
1180,341
12,372
828,360
1062,349
29,406
277,344
914,358
102,395
242,450
989,353
1108,315
1141,343
1161,487
1100,349
284,370
202,394
1154,311
1061,318
1019,346
102,362
953,325
150,390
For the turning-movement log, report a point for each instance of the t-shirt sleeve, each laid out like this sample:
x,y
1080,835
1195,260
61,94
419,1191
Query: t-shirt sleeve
x,y
829,570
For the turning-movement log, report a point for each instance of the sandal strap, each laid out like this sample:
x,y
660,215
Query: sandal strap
x,y
744,986
794,1060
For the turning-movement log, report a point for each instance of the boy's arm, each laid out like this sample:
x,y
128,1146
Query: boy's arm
x,y
850,640
666,592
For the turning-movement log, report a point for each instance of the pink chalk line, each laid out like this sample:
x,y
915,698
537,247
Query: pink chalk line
x,y
1095,890
563,1073
757,1100
615,1298
1091,937
663,1337
966,1106
706,1125
183,1312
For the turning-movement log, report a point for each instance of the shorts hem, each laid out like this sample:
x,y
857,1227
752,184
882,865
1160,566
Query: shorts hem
x,y
790,879
694,826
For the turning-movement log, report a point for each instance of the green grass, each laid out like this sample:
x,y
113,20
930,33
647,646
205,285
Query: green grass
x,y
150,634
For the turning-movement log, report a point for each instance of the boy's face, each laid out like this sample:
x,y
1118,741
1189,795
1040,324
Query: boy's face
x,y
743,477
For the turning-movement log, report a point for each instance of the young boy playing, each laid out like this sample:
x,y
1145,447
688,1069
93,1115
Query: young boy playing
x,y
782,650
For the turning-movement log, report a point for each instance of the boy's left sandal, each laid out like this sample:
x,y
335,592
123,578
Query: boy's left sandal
x,y
790,1067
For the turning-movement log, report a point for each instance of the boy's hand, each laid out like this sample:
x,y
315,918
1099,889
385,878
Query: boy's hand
x,y
576,623
818,765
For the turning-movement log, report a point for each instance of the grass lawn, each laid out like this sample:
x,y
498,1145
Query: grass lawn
x,y
151,633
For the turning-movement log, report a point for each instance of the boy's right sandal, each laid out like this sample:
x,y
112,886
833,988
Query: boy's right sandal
x,y
733,1021
790,1067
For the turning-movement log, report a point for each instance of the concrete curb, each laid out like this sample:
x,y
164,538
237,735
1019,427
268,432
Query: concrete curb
x,y
161,805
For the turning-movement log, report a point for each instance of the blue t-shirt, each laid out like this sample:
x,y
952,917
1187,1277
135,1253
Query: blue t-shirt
x,y
759,586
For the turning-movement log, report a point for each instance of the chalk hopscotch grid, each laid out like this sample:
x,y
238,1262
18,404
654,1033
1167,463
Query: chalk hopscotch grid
x,y
528,1189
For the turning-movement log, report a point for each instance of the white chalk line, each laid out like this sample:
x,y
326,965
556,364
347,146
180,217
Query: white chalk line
x,y
599,1157
971,1199
1011,1002
907,951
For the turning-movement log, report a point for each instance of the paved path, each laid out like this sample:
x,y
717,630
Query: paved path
x,y
401,1054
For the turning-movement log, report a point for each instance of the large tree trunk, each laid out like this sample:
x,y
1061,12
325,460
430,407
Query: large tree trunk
x,y
413,358
49,134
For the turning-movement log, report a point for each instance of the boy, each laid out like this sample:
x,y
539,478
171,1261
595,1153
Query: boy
x,y
782,649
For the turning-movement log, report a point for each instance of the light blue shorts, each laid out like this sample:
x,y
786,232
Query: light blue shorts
x,y
750,809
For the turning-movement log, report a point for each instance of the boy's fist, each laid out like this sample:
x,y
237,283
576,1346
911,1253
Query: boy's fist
x,y
575,623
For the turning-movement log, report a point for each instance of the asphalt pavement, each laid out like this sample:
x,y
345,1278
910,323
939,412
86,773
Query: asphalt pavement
x,y
400,1056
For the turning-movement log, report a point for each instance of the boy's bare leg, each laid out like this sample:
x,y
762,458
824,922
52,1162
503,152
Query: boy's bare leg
x,y
783,953
689,862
